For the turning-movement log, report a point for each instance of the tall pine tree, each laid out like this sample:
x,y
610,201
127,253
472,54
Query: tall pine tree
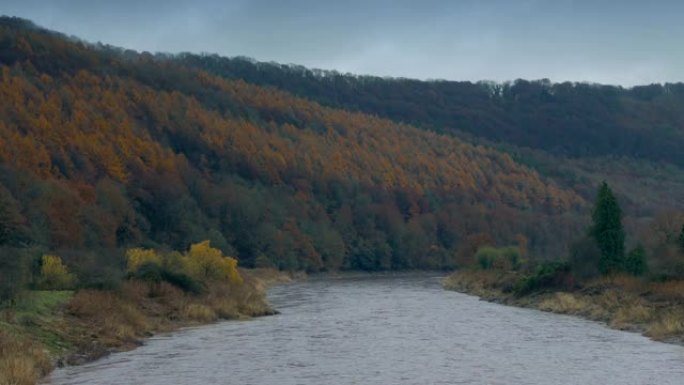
x,y
608,232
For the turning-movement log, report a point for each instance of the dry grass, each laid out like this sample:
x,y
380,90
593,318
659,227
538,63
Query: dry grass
x,y
627,283
622,301
565,303
229,301
668,324
483,283
107,317
621,282
620,309
94,322
251,299
629,315
22,361
225,309
199,313
118,319
222,300
670,290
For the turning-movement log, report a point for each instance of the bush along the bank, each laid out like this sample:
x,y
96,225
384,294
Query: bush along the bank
x,y
601,252
62,314
548,275
190,272
635,263
641,290
22,270
54,275
503,258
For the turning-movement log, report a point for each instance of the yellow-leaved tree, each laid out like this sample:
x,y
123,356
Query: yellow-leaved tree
x,y
137,257
206,263
54,274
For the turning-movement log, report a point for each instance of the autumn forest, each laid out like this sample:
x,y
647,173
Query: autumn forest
x,y
106,149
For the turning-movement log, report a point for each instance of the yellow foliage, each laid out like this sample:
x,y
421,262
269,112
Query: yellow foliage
x,y
205,263
54,274
138,256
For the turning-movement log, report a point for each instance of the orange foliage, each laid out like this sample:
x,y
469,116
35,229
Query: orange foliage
x,y
101,124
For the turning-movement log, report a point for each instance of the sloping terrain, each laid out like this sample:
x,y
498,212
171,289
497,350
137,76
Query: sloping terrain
x,y
105,148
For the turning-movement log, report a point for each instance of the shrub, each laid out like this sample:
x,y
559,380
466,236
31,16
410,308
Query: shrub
x,y
635,263
206,263
548,275
138,257
153,273
183,282
512,255
485,257
149,272
54,274
189,272
504,258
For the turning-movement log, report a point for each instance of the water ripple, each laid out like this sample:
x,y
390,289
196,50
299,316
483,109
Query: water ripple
x,y
398,329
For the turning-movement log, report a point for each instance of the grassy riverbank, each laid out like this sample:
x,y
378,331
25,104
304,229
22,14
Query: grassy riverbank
x,y
655,309
51,328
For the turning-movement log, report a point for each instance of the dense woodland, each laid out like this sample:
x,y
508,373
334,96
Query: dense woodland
x,y
105,149
574,119
578,134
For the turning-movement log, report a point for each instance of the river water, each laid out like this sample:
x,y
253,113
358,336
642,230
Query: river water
x,y
385,330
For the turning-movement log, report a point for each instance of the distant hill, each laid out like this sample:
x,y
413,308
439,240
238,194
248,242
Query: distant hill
x,y
578,134
105,148
570,119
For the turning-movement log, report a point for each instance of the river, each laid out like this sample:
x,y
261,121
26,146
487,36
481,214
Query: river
x,y
385,330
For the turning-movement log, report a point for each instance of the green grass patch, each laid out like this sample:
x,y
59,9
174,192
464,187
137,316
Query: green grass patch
x,y
42,303
37,314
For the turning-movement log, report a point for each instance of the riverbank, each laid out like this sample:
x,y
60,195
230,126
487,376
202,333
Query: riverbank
x,y
54,328
654,309
393,328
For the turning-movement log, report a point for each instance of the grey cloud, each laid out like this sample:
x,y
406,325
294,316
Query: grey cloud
x,y
625,42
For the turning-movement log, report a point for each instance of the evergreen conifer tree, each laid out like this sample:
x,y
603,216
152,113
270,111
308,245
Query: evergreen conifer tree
x,y
608,232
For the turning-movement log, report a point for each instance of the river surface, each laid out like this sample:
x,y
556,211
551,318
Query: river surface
x,y
385,330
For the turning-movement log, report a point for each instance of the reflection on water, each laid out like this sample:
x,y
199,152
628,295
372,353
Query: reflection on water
x,y
394,329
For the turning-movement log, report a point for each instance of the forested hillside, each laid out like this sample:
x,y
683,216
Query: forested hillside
x,y
574,119
105,149
577,134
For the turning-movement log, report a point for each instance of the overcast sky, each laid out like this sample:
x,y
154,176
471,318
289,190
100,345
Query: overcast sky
x,y
618,42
